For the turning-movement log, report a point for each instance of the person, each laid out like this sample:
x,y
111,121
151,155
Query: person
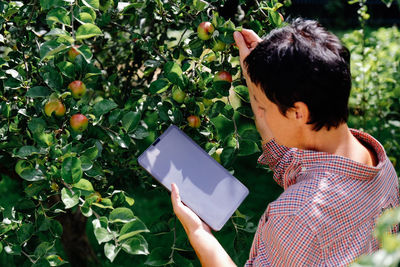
x,y
336,180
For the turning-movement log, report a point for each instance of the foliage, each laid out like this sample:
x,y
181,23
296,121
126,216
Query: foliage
x,y
131,56
375,108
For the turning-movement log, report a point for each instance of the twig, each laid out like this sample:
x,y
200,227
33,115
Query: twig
x,y
235,126
72,19
174,243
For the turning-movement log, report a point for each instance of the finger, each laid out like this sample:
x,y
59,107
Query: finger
x,y
241,44
250,36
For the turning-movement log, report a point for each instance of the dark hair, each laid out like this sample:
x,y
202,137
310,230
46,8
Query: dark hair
x,y
304,62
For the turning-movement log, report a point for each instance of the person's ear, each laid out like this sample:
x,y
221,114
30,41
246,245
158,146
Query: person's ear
x,y
301,112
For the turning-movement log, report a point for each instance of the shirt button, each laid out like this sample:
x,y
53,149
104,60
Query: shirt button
x,y
303,169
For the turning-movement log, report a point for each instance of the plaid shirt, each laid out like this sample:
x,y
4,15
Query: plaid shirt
x,y
327,213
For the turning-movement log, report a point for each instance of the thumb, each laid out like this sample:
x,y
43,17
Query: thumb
x,y
175,197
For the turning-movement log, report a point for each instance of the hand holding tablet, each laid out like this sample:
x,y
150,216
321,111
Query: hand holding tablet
x,y
206,187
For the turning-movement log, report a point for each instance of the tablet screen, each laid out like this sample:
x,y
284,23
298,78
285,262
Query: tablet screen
x,y
204,185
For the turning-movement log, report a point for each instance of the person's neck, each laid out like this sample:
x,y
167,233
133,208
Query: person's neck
x,y
339,141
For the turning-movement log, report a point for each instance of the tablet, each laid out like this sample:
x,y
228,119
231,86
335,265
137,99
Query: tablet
x,y
204,185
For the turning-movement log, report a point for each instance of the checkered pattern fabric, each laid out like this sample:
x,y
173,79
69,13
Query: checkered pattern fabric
x,y
327,213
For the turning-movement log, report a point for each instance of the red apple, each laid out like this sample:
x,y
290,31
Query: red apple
x,y
78,122
193,121
73,52
223,76
77,88
55,106
205,30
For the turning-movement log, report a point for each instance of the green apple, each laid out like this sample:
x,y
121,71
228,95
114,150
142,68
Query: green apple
x,y
207,102
217,155
178,95
73,53
218,45
194,121
77,88
78,122
55,106
205,30
223,76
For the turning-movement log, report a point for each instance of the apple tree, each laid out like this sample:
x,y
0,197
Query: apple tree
x,y
86,86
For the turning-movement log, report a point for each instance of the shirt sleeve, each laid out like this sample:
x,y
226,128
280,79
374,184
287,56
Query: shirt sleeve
x,y
277,157
290,242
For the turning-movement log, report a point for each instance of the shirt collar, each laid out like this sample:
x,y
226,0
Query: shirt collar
x,y
326,162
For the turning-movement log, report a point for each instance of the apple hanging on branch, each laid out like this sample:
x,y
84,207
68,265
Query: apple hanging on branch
x,y
223,76
194,121
205,30
56,106
79,122
73,53
78,89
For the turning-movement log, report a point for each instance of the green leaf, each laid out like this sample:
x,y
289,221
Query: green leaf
x,y
91,3
84,184
32,175
199,5
103,107
42,249
38,91
61,34
247,147
91,153
25,232
84,17
117,139
85,51
136,245
55,260
159,256
132,228
12,83
53,79
130,121
87,164
223,126
159,86
60,15
174,73
13,249
216,109
67,68
69,198
86,209
243,93
46,4
111,251
245,111
227,156
274,17
222,87
37,125
51,48
102,235
123,215
26,151
87,30
56,228
71,170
